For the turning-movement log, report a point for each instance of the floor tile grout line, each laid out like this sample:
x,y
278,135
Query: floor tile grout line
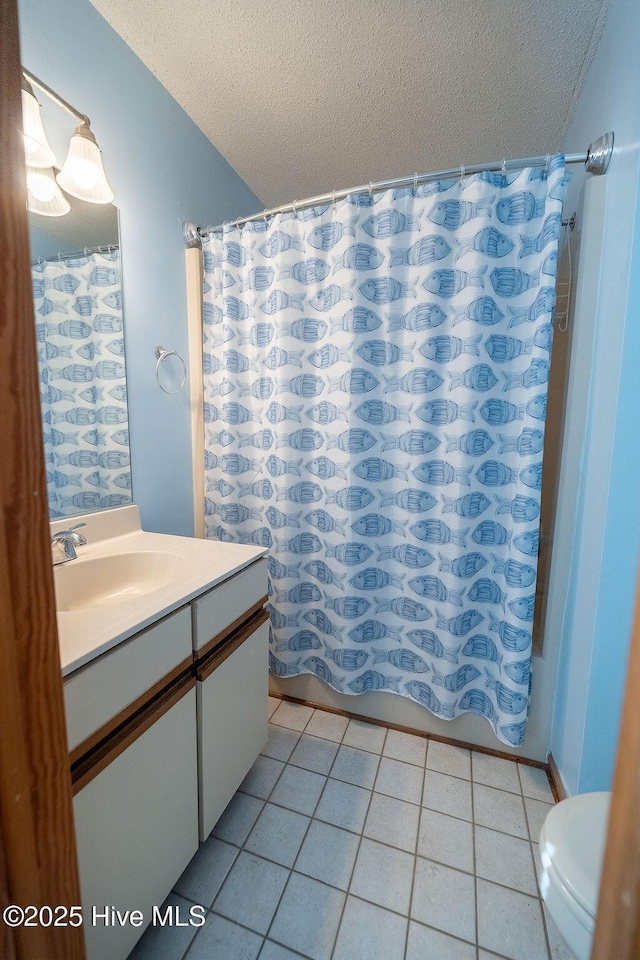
x,y
415,856
355,859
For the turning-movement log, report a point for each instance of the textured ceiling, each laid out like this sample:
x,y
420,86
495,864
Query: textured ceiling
x,y
306,96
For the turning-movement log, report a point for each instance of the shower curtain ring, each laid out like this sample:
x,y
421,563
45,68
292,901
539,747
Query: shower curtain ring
x,y
293,207
415,181
371,188
504,166
333,198
461,173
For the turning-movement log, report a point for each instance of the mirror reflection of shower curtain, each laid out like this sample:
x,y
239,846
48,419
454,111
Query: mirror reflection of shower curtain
x,y
375,393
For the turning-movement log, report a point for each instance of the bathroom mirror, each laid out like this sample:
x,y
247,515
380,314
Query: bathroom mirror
x,y
78,301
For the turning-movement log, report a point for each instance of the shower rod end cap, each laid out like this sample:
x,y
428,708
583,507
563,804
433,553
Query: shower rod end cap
x,y
599,154
192,234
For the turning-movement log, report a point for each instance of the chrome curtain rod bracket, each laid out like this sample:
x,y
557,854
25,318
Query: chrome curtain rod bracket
x,y
596,161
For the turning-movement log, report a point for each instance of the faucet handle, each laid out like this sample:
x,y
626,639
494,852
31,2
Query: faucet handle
x,y
78,538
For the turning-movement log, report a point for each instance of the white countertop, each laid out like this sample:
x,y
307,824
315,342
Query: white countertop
x,y
85,634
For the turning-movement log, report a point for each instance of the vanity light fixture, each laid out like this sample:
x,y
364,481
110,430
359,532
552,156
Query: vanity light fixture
x,y
82,175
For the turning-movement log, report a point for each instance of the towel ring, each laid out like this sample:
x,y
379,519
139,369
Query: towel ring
x,y
162,353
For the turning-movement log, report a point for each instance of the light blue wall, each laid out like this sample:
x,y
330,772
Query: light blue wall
x,y
163,171
607,521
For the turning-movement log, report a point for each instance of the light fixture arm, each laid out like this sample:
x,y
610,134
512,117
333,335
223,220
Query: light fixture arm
x,y
41,85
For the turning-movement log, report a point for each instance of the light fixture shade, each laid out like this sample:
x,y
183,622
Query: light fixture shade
x,y
83,175
37,151
43,193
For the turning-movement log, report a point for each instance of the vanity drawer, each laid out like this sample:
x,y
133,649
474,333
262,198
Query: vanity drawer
x,y
106,688
225,607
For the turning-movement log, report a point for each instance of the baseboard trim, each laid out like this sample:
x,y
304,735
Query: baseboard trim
x,y
555,779
417,733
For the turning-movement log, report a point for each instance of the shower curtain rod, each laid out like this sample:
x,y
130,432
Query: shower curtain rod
x,y
596,160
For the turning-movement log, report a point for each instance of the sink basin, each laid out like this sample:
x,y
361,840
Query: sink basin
x,y
104,581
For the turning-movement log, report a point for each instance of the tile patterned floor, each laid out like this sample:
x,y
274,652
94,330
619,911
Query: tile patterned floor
x,y
347,841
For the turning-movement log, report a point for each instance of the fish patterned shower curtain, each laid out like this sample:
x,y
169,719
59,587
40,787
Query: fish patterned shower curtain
x,y
375,377
83,391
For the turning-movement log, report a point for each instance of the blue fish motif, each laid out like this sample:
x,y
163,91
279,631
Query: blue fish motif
x,y
224,488
355,440
512,638
523,607
263,489
488,241
508,700
105,323
543,337
75,329
112,300
86,500
301,543
119,393
423,694
380,352
435,531
277,358
514,732
427,640
359,256
424,316
260,335
348,554
261,439
277,520
277,413
452,214
522,509
410,499
59,479
493,473
426,250
324,522
324,574
387,289
326,236
461,625
470,505
434,588
85,305
261,537
233,513
372,680
475,443
211,313
448,283
389,223
511,282
303,592
280,669
233,464
348,660
307,329
76,373
559,189
375,469
482,310
111,415
98,277
479,702
348,607
49,351
519,671
499,180
370,630
302,640
537,407
550,264
440,473
516,574
320,620
321,670
498,412
312,270
363,199
303,492
236,413
303,440
550,232
123,480
479,378
490,533
456,681
405,660
90,350
485,590
109,370
330,296
482,648
67,283
420,380
372,578
378,412
53,395
219,533
224,388
465,566
223,439
443,349
80,458
532,476
520,207
326,412
502,348
258,278
415,442
415,558
376,525
327,356
543,303
442,412
235,309
528,543
280,620
279,300
355,381
324,468
404,607
278,242
305,385
350,498
98,437
278,467
357,320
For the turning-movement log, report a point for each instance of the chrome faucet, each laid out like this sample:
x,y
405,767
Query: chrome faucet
x,y
64,543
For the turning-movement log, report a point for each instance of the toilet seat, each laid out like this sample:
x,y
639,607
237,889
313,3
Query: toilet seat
x,y
572,843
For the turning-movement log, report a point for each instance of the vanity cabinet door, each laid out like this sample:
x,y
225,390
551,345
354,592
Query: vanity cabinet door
x,y
232,720
136,827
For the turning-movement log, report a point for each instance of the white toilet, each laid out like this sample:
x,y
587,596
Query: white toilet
x,y
572,843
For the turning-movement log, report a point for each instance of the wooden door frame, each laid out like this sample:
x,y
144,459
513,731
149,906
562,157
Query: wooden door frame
x,y
38,863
